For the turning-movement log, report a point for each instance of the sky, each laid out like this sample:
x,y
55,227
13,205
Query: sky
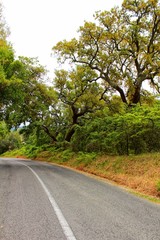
x,y
37,25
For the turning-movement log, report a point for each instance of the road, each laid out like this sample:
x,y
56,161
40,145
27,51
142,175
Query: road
x,y
39,201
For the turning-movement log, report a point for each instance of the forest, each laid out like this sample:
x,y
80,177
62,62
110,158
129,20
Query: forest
x,y
106,101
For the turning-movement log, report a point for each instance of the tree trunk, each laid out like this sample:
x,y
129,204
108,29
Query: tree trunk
x,y
121,92
71,131
49,133
136,95
70,134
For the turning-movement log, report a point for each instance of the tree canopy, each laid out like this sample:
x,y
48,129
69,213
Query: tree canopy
x,y
78,95
87,104
121,46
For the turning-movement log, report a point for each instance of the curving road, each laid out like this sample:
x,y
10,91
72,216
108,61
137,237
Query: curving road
x,y
39,201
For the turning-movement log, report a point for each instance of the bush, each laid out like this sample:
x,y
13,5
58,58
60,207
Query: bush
x,y
135,131
66,155
11,141
158,186
85,158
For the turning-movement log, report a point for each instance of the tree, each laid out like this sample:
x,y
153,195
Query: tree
x,y
6,60
31,100
41,110
8,140
22,76
78,96
24,98
121,46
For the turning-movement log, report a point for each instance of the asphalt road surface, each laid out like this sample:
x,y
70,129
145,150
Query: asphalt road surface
x,y
39,201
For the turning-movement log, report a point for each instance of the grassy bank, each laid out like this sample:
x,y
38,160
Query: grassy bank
x,y
140,173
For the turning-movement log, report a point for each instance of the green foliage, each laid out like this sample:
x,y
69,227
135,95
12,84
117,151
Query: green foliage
x,y
34,135
81,111
32,151
121,47
133,132
16,152
158,186
66,155
85,158
78,95
9,140
3,130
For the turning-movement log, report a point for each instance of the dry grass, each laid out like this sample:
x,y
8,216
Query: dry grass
x,y
140,173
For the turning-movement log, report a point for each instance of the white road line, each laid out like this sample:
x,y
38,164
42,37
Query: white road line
x,y
63,222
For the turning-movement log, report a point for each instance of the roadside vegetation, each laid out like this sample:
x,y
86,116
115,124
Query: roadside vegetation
x,y
97,116
140,173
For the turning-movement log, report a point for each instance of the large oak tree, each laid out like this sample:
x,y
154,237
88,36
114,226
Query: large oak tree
x,y
78,95
121,46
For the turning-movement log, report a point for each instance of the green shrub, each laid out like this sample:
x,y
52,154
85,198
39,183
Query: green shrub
x,y
158,186
66,155
12,140
86,158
